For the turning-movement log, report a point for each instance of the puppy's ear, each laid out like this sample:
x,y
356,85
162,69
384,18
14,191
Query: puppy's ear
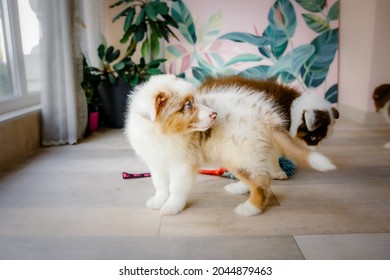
x,y
159,102
316,118
309,117
335,113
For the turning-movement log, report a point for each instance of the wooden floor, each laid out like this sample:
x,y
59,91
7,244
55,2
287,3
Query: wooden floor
x,y
70,202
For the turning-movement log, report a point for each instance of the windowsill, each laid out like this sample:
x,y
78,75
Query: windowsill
x,y
19,113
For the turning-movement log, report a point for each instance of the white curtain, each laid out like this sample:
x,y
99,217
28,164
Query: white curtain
x,y
64,107
92,15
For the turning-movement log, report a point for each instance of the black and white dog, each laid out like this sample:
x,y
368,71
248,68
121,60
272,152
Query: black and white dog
x,y
381,98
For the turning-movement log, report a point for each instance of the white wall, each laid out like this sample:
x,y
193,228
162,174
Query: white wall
x,y
364,56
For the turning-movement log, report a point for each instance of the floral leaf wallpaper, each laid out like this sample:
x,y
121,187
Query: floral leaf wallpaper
x,y
314,6
315,69
183,17
202,51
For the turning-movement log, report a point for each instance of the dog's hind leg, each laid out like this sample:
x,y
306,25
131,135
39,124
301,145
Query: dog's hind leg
x,y
259,185
275,170
237,188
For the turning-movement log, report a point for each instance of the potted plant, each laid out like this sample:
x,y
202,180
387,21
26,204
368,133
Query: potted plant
x,y
146,23
89,85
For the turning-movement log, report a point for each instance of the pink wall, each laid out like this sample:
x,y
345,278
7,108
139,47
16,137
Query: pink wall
x,y
364,56
247,16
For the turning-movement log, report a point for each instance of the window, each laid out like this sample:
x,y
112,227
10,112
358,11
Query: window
x,y
6,89
20,81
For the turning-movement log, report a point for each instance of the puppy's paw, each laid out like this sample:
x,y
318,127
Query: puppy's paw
x,y
387,146
280,175
237,188
172,207
156,202
247,209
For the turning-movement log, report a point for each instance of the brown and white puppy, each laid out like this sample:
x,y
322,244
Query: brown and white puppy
x,y
381,96
175,132
307,117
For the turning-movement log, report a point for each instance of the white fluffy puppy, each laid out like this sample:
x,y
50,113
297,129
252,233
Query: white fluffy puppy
x,y
175,132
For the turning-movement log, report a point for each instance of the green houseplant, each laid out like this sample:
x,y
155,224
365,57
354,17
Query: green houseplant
x,y
146,23
89,85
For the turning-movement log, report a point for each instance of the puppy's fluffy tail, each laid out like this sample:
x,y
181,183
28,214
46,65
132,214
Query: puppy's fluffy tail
x,y
298,152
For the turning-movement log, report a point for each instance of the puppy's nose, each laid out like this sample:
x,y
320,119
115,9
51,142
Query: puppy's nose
x,y
213,115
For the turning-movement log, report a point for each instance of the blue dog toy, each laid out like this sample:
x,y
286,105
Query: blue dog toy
x,y
287,166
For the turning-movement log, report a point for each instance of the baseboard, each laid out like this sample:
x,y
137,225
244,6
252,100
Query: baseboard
x,y
360,116
19,136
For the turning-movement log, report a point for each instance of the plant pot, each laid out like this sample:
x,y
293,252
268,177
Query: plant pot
x,y
114,100
93,121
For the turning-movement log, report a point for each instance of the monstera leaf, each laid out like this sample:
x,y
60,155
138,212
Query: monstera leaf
x,y
287,78
246,57
278,43
292,62
314,6
334,11
282,17
210,29
282,25
316,68
176,50
332,93
242,37
201,73
316,23
182,16
257,72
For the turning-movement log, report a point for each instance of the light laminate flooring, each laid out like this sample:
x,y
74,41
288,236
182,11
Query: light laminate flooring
x,y
70,202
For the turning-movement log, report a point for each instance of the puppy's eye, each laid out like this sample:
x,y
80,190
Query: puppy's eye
x,y
188,105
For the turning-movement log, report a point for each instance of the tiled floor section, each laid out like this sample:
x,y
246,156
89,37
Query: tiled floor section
x,y
70,202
